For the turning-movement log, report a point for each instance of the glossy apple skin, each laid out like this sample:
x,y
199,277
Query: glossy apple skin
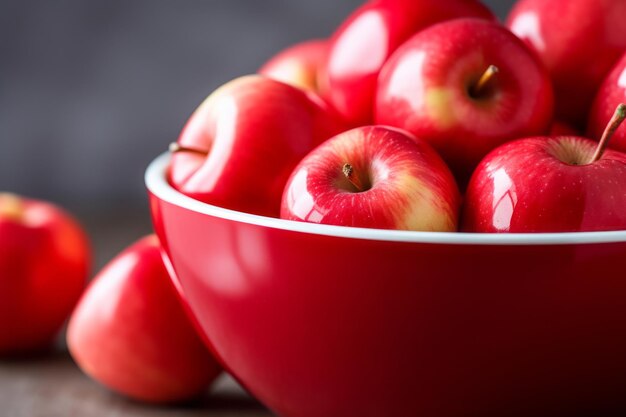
x,y
256,130
611,93
409,185
524,187
364,42
298,65
321,325
130,332
579,41
424,88
44,264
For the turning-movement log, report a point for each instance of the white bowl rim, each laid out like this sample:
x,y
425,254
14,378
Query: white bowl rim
x,y
156,183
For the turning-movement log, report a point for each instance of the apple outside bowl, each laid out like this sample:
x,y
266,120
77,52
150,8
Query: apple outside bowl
x,y
328,321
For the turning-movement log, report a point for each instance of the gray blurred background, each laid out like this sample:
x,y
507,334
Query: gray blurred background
x,y
91,91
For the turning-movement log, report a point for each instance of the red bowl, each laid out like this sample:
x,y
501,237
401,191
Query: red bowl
x,y
325,321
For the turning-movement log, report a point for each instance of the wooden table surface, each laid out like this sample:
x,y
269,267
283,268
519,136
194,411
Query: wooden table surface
x,y
52,386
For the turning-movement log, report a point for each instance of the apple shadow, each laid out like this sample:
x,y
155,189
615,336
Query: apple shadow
x,y
224,402
48,354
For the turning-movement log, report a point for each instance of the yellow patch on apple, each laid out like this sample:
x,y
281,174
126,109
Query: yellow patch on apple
x,y
437,101
424,213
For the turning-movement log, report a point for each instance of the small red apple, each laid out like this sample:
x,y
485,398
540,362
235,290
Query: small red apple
x,y
44,263
375,177
611,93
466,86
549,184
239,147
579,41
298,65
363,43
130,332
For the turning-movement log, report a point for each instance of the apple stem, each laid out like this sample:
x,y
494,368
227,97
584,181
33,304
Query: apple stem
x,y
614,123
478,88
175,147
348,171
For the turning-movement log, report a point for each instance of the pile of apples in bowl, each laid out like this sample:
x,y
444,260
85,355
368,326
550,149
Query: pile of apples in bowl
x,y
406,218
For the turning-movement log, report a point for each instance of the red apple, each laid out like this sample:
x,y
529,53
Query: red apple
x,y
298,65
549,184
376,177
239,147
611,93
466,86
130,332
362,44
44,263
578,41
